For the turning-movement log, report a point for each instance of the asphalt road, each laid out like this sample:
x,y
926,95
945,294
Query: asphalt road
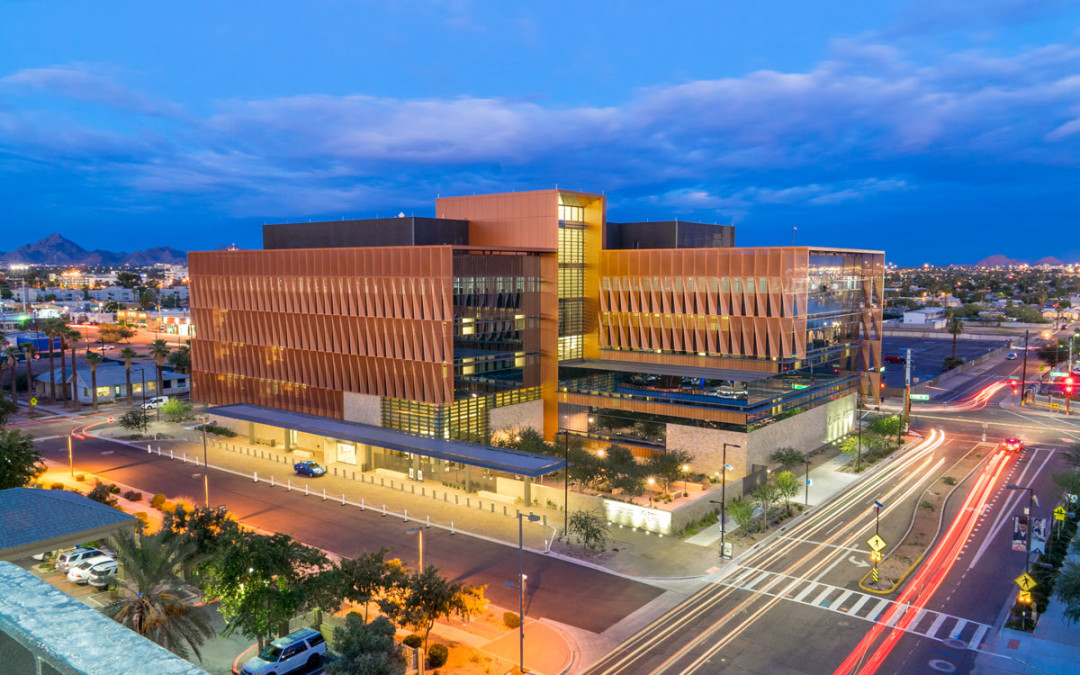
x,y
585,598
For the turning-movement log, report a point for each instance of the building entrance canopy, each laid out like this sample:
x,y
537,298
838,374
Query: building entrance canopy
x,y
496,459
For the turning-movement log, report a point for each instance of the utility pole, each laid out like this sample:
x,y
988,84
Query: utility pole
x,y
906,418
1023,375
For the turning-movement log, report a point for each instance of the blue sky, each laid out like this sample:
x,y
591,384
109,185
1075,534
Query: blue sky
x,y
939,131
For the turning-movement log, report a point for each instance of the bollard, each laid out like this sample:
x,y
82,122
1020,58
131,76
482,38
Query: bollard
x,y
384,510
545,520
271,480
343,499
406,518
256,475
288,484
361,503
504,510
171,454
306,491
324,494
429,522
185,458
451,527
148,450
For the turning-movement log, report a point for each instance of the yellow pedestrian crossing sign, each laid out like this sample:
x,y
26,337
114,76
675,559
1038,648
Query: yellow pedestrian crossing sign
x,y
1059,513
1026,582
876,543
33,401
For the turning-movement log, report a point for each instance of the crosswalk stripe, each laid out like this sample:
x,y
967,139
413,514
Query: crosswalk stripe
x,y
805,592
958,628
914,625
817,601
754,582
839,602
898,611
977,639
933,629
877,610
742,577
858,605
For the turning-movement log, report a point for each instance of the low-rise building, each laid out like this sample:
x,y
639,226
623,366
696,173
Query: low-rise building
x,y
113,294
112,382
933,317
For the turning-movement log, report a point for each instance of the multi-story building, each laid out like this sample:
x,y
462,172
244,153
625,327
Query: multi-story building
x,y
414,341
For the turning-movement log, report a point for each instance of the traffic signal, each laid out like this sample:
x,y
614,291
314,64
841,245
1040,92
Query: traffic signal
x,y
875,556
1069,384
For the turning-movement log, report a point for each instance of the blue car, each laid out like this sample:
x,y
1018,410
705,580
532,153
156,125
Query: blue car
x,y
309,468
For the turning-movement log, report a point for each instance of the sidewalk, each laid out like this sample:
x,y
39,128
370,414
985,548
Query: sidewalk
x,y
1052,648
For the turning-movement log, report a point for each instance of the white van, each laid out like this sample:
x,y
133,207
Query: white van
x,y
156,402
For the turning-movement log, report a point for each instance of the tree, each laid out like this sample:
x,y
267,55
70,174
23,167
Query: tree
x,y
589,527
94,360
29,350
8,408
262,582
52,329
20,461
148,299
127,353
529,439
423,598
202,532
668,466
365,577
159,349
885,426
153,604
367,649
180,360
111,306
955,327
176,410
766,494
741,511
788,458
11,356
787,486
102,495
622,471
136,420
114,332
470,602
128,279
68,340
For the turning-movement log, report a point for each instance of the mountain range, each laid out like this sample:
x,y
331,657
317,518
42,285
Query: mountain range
x,y
1004,261
56,250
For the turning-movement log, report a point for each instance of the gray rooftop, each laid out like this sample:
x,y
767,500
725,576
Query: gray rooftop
x,y
48,627
497,459
34,520
111,374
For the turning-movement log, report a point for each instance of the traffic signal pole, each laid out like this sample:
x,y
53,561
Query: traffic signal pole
x,y
907,391
1023,375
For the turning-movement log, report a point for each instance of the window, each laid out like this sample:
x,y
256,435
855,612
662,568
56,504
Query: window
x,y
573,214
103,392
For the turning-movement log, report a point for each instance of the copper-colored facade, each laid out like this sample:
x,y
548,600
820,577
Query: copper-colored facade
x,y
295,329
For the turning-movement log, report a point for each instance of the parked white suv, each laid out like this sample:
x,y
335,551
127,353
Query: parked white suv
x,y
156,402
303,648
68,559
101,574
80,574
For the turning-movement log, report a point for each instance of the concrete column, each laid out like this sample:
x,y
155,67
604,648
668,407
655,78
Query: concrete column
x,y
528,491
288,441
416,466
369,458
251,433
468,478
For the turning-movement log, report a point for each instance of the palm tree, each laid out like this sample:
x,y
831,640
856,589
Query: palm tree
x,y
152,604
11,355
68,340
52,328
159,349
127,353
94,359
956,326
29,350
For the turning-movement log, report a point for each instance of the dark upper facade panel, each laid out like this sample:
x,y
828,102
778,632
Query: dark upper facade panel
x,y
404,231
668,234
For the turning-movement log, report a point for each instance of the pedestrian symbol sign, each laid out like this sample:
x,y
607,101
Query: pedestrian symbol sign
x,y
876,543
1026,582
33,401
1059,513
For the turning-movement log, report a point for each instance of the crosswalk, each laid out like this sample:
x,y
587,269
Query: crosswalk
x,y
925,622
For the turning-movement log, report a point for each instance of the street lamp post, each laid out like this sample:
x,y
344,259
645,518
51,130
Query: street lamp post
x,y
685,471
71,457
521,586
724,468
566,483
806,461
651,481
419,531
205,463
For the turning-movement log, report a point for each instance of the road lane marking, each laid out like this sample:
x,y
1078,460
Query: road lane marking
x,y
958,628
853,549
754,582
933,629
977,639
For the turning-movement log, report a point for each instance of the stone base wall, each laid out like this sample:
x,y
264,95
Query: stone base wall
x,y
706,446
805,432
519,416
363,408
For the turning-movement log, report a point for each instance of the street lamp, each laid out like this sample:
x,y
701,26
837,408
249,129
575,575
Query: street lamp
x,y
725,467
142,373
566,483
685,470
205,462
652,482
521,585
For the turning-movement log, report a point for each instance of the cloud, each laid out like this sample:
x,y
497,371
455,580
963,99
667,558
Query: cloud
x,y
868,120
77,82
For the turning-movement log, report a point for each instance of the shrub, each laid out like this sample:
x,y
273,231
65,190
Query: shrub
x,y
56,486
158,500
437,655
511,619
133,496
143,517
168,507
80,477
948,480
101,494
414,640
115,489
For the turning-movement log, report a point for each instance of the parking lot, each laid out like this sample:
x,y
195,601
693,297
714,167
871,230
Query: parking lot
x,y
928,356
